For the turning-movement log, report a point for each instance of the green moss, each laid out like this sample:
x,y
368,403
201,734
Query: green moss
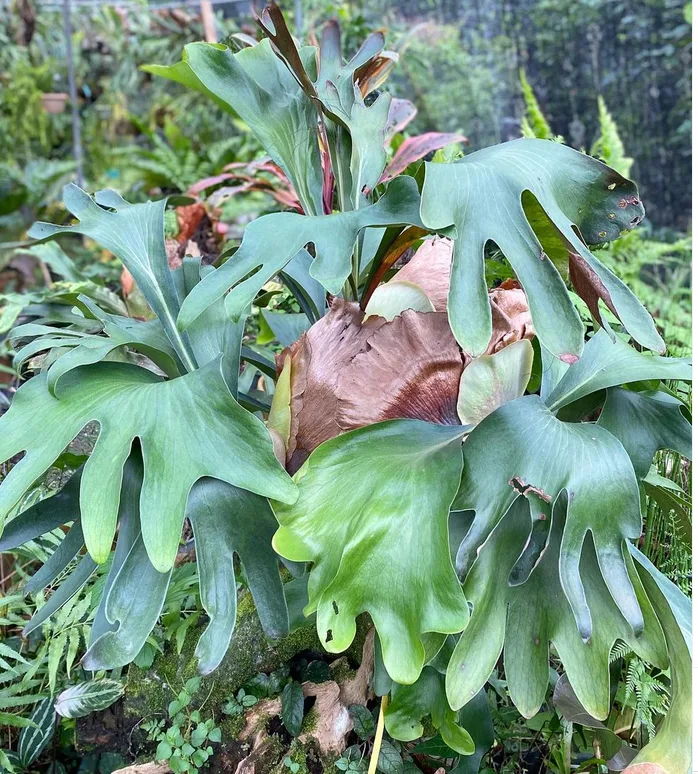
x,y
297,752
245,606
310,721
146,693
231,726
430,729
250,653
355,651
342,671
272,757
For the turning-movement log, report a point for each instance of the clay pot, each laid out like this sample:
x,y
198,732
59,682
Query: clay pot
x,y
54,102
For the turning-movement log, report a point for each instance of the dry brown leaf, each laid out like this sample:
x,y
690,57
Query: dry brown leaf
x,y
318,358
347,374
411,369
511,318
430,268
589,287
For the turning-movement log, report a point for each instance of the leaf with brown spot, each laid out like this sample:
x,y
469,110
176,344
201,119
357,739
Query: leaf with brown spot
x,y
481,196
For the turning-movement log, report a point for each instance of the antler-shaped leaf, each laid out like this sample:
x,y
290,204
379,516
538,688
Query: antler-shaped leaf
x,y
481,195
189,428
227,521
256,85
522,619
373,517
337,90
670,750
522,447
135,234
81,348
271,241
134,591
645,422
608,363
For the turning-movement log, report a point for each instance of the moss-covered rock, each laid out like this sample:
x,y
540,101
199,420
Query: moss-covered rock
x,y
148,692
250,652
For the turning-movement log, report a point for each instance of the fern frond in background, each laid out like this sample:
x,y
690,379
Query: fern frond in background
x,y
609,146
534,123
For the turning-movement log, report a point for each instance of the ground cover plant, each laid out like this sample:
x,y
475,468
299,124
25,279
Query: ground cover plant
x,y
456,436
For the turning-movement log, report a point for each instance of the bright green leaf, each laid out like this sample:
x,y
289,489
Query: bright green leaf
x,y
490,381
373,517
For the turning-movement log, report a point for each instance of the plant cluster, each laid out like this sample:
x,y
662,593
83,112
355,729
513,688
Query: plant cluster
x,y
450,447
186,742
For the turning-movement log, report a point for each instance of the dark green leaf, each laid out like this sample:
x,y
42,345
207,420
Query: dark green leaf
x,y
317,672
607,363
292,708
44,516
228,520
522,447
389,759
645,422
364,724
435,748
524,619
188,428
475,716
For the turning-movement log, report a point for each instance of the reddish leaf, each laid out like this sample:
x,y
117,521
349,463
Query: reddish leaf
x,y
188,218
207,182
415,148
401,112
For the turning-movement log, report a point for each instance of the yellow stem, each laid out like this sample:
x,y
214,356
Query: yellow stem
x,y
379,737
